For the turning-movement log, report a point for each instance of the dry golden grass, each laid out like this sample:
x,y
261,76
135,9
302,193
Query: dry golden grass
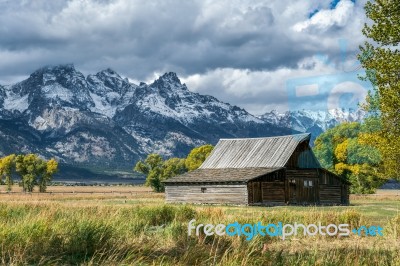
x,y
133,226
85,196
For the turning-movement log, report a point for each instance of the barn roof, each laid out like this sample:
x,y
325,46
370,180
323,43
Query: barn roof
x,y
268,152
222,175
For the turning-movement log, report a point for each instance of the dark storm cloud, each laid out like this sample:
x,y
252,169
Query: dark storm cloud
x,y
196,39
153,35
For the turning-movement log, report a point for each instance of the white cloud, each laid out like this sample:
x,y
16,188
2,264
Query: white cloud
x,y
257,91
327,18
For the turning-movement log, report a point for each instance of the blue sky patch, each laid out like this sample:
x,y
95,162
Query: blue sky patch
x,y
313,13
334,3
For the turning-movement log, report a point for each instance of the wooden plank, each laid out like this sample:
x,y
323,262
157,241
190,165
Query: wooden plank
x,y
273,192
223,194
330,194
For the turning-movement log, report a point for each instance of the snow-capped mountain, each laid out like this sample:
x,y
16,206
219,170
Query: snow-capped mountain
x,y
104,120
314,122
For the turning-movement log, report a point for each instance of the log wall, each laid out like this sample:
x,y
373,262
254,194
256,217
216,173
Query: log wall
x,y
328,178
330,194
207,193
333,189
268,189
266,193
281,187
273,192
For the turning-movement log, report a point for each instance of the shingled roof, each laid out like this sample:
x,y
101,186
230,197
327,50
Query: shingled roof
x,y
221,175
271,152
241,160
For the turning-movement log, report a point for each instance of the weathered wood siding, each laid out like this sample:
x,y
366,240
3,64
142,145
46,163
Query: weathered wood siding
x,y
273,192
345,194
330,194
301,192
207,193
266,193
268,189
327,178
332,189
327,189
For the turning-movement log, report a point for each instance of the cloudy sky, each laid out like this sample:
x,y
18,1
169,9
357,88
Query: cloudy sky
x,y
259,55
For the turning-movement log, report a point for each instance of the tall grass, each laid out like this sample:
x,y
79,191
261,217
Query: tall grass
x,y
50,233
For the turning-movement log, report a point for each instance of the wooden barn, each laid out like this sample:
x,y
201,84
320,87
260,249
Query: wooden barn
x,y
260,171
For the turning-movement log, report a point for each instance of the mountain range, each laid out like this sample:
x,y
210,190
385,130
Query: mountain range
x,y
314,122
104,120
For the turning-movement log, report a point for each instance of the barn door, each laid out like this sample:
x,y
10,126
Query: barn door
x,y
309,192
303,191
257,197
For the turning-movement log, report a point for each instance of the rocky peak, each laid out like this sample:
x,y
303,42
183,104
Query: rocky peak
x,y
50,86
110,81
168,81
171,76
108,74
55,72
65,75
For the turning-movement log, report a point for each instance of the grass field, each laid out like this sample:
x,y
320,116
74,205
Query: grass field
x,y
122,225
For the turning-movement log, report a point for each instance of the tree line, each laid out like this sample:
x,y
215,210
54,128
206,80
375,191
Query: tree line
x,y
157,169
31,170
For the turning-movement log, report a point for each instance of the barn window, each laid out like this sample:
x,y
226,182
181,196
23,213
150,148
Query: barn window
x,y
203,189
308,183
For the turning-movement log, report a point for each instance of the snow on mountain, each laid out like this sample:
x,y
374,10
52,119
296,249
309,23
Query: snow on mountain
x,y
104,120
178,119
109,92
168,97
14,102
314,122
